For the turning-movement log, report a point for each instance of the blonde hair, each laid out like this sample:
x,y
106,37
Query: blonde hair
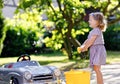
x,y
98,16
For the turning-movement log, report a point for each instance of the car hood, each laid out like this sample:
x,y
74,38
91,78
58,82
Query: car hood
x,y
35,70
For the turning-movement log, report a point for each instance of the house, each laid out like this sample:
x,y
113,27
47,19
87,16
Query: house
x,y
11,5
9,8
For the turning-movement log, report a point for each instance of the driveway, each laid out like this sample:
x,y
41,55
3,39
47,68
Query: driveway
x,y
111,74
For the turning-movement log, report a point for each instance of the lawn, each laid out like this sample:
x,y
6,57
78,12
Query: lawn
x,y
60,60
113,56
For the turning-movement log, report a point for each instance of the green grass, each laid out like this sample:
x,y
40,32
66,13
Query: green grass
x,y
113,56
42,58
58,59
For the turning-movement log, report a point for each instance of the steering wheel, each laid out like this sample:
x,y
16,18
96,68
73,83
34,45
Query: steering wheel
x,y
24,57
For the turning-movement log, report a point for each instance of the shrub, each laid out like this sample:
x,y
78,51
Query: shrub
x,y
112,37
23,35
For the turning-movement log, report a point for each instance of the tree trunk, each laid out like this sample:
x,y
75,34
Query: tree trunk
x,y
68,48
2,32
76,44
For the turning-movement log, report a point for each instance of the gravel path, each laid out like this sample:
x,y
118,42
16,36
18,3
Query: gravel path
x,y
111,74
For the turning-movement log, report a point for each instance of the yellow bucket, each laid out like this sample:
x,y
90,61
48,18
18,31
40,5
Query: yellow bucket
x,y
77,77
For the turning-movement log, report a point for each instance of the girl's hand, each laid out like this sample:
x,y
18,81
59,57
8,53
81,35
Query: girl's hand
x,y
83,48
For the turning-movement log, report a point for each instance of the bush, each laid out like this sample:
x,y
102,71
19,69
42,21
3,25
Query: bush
x,y
23,36
112,37
17,43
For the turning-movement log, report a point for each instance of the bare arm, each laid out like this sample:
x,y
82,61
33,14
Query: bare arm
x,y
85,42
88,43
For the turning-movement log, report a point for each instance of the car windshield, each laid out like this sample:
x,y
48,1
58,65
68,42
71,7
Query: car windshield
x,y
25,63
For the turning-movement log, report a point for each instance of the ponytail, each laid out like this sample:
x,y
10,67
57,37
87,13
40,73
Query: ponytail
x,y
102,26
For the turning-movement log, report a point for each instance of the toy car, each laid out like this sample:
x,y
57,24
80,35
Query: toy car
x,y
25,71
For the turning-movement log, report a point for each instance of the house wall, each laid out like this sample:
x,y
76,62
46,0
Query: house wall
x,y
9,8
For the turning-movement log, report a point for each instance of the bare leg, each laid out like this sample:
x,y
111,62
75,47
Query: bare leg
x,y
99,76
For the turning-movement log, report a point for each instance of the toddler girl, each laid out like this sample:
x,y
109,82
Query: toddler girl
x,y
95,42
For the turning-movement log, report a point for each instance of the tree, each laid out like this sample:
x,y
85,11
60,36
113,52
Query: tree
x,y
69,18
2,28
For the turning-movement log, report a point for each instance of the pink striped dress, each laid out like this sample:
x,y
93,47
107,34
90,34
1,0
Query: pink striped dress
x,y
97,50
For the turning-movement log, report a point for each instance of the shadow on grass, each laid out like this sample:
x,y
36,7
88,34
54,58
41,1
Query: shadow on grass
x,y
51,54
81,63
76,64
48,62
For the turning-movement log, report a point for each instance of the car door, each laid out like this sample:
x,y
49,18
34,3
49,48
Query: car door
x,y
2,76
4,79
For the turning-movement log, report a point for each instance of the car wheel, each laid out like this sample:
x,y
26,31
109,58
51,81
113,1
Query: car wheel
x,y
14,81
